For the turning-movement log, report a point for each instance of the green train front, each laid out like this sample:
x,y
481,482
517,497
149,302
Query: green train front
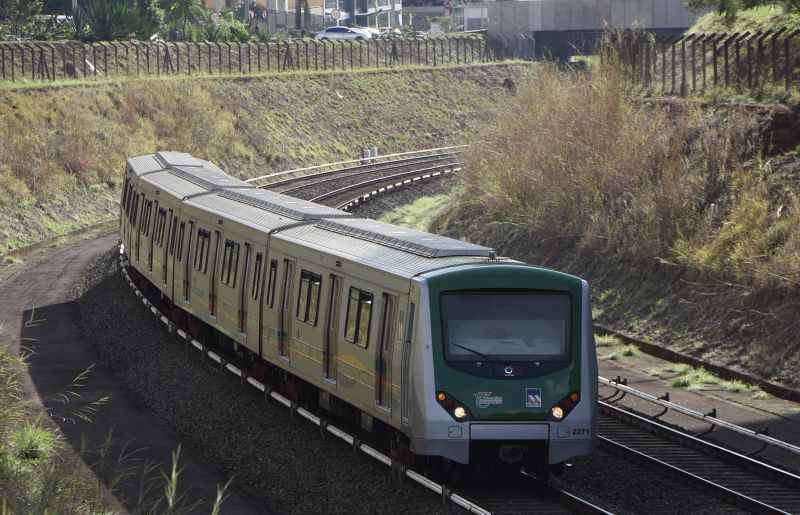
x,y
506,370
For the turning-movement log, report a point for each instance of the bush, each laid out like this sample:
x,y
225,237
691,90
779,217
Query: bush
x,y
574,164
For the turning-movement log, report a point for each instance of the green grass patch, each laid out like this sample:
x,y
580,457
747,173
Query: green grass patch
x,y
764,17
680,375
42,474
418,215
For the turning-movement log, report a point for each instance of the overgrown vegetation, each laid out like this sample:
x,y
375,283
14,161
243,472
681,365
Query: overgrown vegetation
x,y
419,214
685,376
40,473
60,146
578,165
743,15
673,205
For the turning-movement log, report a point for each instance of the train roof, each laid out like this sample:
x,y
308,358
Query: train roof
x,y
394,249
386,247
201,173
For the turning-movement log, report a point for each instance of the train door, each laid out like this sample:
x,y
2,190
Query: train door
x,y
242,293
331,327
151,233
212,287
285,328
406,376
172,258
138,215
383,354
187,264
165,261
253,296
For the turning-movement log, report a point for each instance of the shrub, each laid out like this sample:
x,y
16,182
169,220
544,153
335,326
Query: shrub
x,y
573,162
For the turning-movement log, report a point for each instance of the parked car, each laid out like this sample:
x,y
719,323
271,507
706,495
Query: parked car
x,y
343,33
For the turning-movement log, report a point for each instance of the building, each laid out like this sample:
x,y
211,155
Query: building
x,y
368,13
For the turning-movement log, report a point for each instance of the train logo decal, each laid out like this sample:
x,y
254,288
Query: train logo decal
x,y
486,399
509,370
533,397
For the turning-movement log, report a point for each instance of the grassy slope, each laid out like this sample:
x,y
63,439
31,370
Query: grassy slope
x,y
62,148
685,235
764,17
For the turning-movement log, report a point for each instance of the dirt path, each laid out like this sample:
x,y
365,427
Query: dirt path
x,y
38,311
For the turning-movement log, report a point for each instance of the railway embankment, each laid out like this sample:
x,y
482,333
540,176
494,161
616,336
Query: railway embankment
x,y
62,147
682,216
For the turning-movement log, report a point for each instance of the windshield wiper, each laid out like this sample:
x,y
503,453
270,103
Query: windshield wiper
x,y
483,356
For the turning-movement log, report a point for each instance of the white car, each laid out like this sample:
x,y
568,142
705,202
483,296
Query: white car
x,y
343,33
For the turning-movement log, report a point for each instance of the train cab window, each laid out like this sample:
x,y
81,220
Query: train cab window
x,y
201,250
273,282
308,298
256,288
359,317
230,263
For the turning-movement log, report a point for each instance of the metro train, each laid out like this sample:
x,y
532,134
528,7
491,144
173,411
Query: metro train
x,y
451,353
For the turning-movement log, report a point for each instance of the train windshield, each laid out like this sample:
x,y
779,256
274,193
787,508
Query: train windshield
x,y
505,325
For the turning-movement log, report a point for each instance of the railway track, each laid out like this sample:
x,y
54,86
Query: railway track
x,y
741,480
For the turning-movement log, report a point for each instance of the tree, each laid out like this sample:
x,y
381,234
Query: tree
x,y
106,20
182,13
22,11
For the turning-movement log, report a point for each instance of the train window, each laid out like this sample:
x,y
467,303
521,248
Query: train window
x,y
201,250
308,299
173,234
147,205
359,317
273,282
180,240
160,226
257,276
230,263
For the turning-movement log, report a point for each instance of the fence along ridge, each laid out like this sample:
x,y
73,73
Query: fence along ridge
x,y
55,60
695,62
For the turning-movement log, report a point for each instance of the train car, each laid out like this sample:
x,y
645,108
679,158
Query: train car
x,y
454,354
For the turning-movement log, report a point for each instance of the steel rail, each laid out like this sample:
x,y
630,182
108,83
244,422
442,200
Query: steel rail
x,y
350,161
364,184
359,170
700,416
390,188
750,471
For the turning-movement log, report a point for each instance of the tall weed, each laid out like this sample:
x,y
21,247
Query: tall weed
x,y
573,163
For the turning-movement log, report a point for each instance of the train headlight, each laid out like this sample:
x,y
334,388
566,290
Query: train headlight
x,y
451,405
564,406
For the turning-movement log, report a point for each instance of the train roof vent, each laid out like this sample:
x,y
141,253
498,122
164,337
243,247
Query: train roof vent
x,y
145,164
178,159
285,205
409,240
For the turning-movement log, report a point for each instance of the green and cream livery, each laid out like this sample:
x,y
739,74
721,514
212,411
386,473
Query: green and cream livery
x,y
509,369
451,351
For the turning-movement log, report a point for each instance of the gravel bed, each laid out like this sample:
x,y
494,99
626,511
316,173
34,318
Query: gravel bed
x,y
315,190
283,462
312,187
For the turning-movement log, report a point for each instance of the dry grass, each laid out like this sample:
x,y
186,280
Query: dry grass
x,y
62,145
573,164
